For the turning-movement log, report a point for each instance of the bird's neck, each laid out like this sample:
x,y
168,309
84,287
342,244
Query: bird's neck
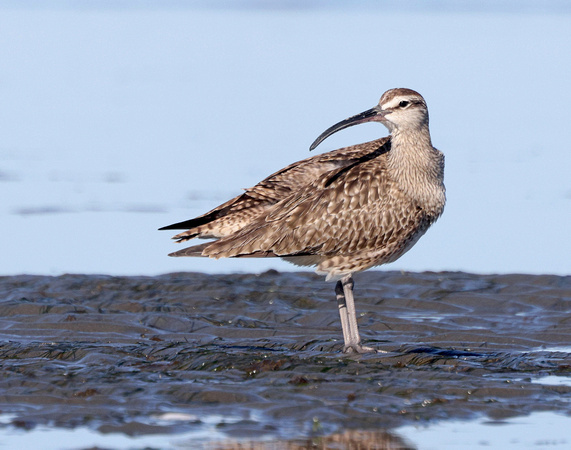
x,y
418,166
417,138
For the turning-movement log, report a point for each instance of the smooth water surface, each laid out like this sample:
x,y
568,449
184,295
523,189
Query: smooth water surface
x,y
120,117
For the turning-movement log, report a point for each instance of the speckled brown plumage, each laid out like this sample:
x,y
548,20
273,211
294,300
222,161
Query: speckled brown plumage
x,y
343,211
238,212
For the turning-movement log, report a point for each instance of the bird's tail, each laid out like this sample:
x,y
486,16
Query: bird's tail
x,y
195,250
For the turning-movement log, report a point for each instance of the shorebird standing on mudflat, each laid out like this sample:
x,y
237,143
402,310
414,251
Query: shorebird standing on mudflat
x,y
342,211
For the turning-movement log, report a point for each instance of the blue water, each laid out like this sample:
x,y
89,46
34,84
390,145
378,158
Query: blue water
x,y
538,430
118,119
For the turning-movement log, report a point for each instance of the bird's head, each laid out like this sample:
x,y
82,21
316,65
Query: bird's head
x,y
398,109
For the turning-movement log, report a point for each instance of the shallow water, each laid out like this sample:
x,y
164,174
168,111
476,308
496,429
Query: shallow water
x,y
126,116
250,357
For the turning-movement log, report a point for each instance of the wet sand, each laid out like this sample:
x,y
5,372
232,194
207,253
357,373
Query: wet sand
x,y
261,354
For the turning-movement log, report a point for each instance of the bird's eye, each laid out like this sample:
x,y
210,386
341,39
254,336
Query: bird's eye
x,y
404,104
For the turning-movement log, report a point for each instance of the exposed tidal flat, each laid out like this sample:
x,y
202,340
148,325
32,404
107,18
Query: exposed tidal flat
x,y
232,359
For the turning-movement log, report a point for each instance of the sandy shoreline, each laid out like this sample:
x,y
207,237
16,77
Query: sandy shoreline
x,y
262,352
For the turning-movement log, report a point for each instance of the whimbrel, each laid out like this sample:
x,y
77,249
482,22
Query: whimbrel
x,y
343,211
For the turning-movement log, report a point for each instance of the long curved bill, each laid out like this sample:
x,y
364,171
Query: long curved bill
x,y
373,114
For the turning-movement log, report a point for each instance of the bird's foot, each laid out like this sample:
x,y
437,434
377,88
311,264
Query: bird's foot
x,y
358,348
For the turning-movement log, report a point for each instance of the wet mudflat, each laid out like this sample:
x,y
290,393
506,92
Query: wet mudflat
x,y
238,359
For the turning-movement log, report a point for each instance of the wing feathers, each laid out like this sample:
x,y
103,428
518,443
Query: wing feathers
x,y
238,212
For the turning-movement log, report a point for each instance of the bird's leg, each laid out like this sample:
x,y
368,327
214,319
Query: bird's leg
x,y
342,311
349,322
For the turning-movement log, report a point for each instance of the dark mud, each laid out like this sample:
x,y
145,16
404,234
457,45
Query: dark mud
x,y
262,353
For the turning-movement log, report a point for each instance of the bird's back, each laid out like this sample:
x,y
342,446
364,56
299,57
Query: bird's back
x,y
238,212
